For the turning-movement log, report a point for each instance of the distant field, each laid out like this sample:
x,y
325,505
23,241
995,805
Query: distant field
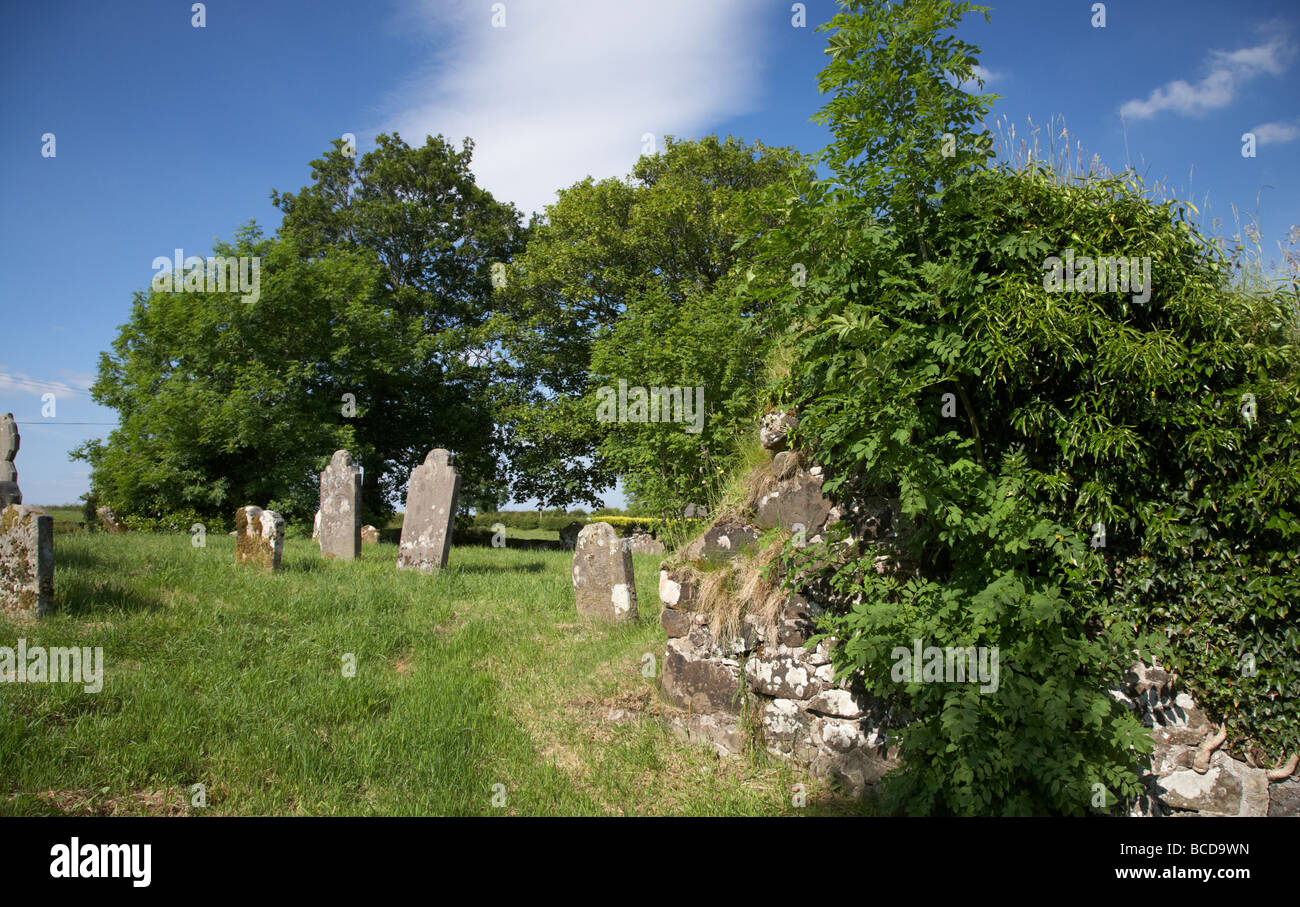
x,y
65,514
546,534
481,676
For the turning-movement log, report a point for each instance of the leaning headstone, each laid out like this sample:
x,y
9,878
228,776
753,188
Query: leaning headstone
x,y
26,561
569,534
110,521
340,508
643,543
430,511
603,582
9,442
260,537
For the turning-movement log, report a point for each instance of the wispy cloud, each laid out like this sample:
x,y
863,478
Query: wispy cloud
x,y
568,87
1228,72
1277,133
18,383
972,85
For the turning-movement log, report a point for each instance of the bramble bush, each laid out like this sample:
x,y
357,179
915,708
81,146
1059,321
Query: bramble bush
x,y
1078,480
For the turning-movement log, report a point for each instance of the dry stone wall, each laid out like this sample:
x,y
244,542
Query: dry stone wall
x,y
756,682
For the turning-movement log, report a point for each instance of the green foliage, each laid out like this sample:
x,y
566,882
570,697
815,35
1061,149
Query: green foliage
x,y
1066,410
377,286
554,520
89,506
224,403
631,280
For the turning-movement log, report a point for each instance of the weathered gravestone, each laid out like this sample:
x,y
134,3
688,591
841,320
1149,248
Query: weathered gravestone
x,y
569,534
430,512
643,543
9,441
603,583
340,508
259,537
26,561
369,535
110,521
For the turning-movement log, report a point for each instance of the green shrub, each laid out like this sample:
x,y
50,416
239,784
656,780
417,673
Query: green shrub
x,y
1013,424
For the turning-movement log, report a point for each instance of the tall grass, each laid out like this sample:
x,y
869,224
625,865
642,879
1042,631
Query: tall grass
x,y
481,676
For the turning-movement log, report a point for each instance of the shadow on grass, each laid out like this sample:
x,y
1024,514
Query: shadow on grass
x,y
75,557
530,567
78,597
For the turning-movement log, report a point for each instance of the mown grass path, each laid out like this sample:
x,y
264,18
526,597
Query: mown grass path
x,y
481,676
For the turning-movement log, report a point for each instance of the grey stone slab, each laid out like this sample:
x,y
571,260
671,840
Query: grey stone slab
x,y
340,508
26,561
604,585
430,514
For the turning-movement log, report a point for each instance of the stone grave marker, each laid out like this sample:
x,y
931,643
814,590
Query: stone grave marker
x,y
430,514
26,561
340,508
603,582
9,442
259,538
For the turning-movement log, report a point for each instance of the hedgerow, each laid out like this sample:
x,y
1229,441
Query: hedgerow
x,y
1083,477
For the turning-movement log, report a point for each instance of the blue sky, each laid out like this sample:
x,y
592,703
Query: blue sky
x,y
168,135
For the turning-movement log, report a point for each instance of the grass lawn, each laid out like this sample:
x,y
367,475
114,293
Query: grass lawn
x,y
481,676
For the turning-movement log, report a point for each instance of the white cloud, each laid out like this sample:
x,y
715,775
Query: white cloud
x,y
1277,133
18,383
568,87
1228,72
972,85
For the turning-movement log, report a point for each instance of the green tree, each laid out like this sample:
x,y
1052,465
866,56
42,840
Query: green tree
x,y
1014,425
224,403
368,335
436,236
634,280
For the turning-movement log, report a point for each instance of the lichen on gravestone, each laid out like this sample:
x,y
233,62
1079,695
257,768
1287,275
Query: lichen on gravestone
x,y
431,499
259,538
339,526
604,584
26,561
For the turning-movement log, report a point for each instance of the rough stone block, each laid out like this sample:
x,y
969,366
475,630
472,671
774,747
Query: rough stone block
x,y
259,537
701,685
676,623
604,584
774,429
677,588
721,541
340,508
792,503
430,514
26,561
782,676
